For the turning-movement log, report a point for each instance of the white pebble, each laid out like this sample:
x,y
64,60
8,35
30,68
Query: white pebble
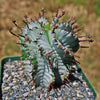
x,y
6,75
26,94
15,87
6,88
75,84
19,68
11,84
25,83
14,82
13,73
21,71
9,78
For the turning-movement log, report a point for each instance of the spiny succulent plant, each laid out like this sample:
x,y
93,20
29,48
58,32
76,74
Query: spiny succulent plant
x,y
50,47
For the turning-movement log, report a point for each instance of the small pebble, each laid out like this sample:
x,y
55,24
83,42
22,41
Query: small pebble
x,y
25,82
75,84
10,77
14,82
27,89
34,91
26,94
6,88
6,75
13,73
84,83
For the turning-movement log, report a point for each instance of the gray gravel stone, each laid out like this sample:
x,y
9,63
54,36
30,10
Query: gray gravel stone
x,y
26,94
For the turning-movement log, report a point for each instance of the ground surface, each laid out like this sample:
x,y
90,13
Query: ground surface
x,y
86,11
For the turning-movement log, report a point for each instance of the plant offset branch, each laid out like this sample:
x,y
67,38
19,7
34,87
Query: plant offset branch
x,y
50,47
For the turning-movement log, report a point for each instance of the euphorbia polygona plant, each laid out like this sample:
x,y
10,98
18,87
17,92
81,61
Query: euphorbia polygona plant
x,y
50,47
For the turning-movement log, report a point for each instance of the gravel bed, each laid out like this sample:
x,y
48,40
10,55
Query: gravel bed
x,y
16,85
